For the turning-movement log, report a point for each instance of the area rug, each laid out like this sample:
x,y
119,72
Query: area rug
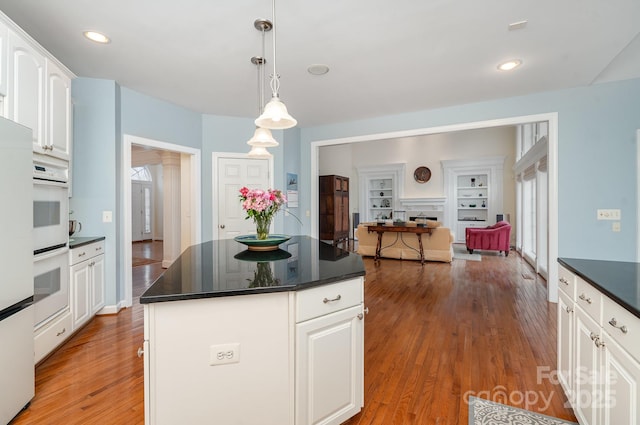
x,y
460,253
485,412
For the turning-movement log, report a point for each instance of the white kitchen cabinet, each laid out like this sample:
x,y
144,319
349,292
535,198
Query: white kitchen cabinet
x,y
4,36
329,367
58,110
598,354
86,282
52,334
300,357
566,326
38,93
26,94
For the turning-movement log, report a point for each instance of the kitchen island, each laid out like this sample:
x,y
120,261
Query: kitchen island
x,y
243,337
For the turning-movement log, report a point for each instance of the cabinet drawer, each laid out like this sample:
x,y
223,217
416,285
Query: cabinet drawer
x,y
85,252
316,302
567,282
51,335
590,299
617,320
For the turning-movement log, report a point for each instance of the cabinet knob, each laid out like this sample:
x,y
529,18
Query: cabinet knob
x,y
222,226
361,315
594,336
599,343
569,309
140,352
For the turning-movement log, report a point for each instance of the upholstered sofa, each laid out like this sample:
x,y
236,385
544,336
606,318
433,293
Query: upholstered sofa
x,y
437,246
494,238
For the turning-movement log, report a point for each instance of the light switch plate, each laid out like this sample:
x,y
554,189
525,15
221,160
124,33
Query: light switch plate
x,y
608,214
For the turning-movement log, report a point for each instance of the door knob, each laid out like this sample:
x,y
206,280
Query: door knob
x,y
222,226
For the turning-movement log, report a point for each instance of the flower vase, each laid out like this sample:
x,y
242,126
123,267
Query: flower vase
x,y
262,227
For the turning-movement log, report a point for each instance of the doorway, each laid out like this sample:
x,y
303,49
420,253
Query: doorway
x,y
552,228
188,216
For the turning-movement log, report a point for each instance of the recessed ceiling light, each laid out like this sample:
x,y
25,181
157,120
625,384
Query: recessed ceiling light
x,y
509,65
318,69
97,37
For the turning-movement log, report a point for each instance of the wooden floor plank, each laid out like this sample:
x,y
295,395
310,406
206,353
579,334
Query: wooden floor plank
x,y
434,335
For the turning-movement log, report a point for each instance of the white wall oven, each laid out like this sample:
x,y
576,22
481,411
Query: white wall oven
x,y
50,283
51,237
50,207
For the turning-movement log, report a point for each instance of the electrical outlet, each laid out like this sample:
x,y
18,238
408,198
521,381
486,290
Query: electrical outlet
x,y
224,354
615,226
608,214
107,216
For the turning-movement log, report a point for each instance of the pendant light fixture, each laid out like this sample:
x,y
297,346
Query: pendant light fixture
x,y
275,115
262,138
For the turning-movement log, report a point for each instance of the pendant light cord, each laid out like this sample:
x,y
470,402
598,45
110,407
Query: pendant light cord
x,y
275,78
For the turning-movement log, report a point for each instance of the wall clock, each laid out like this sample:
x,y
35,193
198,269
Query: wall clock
x,y
422,174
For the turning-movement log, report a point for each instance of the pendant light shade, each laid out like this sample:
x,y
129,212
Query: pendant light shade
x,y
262,138
258,152
276,116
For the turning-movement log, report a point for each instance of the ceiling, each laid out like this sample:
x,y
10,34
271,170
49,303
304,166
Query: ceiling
x,y
385,57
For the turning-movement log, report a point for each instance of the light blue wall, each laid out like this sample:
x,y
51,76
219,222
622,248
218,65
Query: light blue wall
x,y
151,118
596,157
291,141
94,166
230,134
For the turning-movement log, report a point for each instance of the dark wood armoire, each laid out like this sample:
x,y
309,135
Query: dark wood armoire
x,y
334,208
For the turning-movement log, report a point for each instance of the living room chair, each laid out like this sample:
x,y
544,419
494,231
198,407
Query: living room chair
x,y
494,238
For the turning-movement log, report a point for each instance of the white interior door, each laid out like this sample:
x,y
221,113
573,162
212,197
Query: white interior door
x,y
233,174
141,211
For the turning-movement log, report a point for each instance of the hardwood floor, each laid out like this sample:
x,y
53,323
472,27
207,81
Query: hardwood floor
x,y
434,335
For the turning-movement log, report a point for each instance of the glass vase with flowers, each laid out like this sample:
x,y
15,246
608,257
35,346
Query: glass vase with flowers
x,y
261,206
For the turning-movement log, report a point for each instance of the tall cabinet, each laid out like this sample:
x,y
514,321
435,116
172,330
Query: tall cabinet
x,y
334,208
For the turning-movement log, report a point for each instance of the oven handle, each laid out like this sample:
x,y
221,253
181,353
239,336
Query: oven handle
x,y
49,254
41,182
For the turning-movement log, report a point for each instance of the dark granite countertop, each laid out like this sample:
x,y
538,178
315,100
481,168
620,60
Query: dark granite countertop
x,y
619,280
76,242
225,268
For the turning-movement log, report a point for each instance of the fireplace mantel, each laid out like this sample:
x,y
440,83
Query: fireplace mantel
x,y
423,204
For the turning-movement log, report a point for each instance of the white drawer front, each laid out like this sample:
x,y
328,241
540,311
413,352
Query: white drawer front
x,y
623,326
590,299
52,335
82,253
567,282
316,302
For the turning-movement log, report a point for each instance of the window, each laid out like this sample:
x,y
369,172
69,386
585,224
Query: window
x,y
141,174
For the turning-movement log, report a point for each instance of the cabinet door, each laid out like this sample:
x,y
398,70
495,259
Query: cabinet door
x,y
622,389
588,393
58,136
565,342
80,293
329,368
97,284
4,35
26,89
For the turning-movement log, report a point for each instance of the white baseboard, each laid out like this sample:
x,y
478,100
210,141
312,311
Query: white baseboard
x,y
111,309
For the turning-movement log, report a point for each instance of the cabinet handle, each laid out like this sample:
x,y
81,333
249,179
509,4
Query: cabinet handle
x,y
594,336
82,254
583,297
61,332
327,300
613,322
140,351
99,248
599,343
565,281
569,309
